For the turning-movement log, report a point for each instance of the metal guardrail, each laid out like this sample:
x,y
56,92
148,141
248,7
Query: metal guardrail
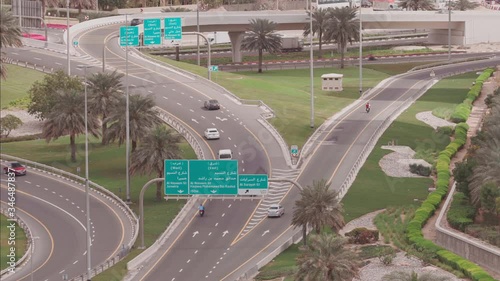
x,y
41,68
181,129
27,232
99,191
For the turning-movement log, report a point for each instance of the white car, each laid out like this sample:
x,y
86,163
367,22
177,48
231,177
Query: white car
x,y
212,134
275,210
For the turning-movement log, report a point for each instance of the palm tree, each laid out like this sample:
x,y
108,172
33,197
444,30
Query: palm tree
x,y
487,157
68,118
159,144
10,36
343,27
105,95
318,207
463,5
142,118
319,25
80,4
412,276
261,37
326,259
414,5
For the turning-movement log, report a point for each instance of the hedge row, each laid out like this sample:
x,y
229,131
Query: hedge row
x,y
461,213
431,203
462,111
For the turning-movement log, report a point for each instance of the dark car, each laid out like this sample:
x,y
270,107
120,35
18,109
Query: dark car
x,y
135,22
16,168
212,104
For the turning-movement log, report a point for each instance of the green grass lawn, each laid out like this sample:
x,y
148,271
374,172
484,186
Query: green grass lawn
x,y
373,190
19,81
20,242
291,100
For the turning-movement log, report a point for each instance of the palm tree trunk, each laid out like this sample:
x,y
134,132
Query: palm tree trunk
x,y
260,61
73,147
304,234
104,128
342,50
158,190
320,37
134,145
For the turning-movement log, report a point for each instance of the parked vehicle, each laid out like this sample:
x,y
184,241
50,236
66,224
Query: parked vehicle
x,y
212,134
212,104
16,168
275,210
291,44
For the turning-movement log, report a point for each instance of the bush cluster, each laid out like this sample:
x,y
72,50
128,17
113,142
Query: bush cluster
x,y
21,138
461,214
362,235
426,210
462,111
420,170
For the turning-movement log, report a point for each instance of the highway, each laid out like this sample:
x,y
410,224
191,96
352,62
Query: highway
x,y
54,210
211,248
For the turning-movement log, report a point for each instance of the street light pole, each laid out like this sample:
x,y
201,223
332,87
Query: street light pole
x,y
198,30
67,37
127,116
87,197
449,30
360,53
311,64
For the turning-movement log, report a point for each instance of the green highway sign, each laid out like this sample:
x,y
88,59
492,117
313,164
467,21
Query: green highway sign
x,y
213,177
152,32
173,28
129,36
253,184
214,68
176,177
294,150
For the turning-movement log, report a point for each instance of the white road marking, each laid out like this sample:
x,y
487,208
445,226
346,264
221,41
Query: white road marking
x,y
62,271
17,54
180,270
229,138
150,91
203,243
75,262
194,120
58,63
195,233
195,252
229,206
191,97
235,145
191,110
133,85
179,104
216,224
209,233
53,192
265,232
27,182
38,58
188,261
223,214
182,93
203,117
37,185
165,98
224,233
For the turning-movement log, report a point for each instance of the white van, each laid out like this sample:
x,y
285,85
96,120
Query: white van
x,y
225,154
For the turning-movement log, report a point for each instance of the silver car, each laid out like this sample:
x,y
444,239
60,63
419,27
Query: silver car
x,y
212,134
275,210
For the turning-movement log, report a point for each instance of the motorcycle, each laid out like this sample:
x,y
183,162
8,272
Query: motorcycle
x,y
202,212
367,109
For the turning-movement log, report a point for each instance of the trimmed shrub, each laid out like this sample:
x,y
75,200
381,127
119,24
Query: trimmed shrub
x,y
362,235
420,170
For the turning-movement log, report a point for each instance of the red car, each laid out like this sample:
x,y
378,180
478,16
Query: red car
x,y
16,168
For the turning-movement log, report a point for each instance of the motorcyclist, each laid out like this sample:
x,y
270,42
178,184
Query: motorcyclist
x,y
201,209
367,106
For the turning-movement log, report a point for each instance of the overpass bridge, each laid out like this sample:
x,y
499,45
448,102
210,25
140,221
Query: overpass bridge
x,y
467,27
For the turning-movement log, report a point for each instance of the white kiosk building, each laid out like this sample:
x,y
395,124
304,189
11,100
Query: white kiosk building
x,y
331,82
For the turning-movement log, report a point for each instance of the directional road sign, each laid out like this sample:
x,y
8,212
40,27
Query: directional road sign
x,y
253,184
129,36
214,68
213,177
173,28
152,32
176,177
